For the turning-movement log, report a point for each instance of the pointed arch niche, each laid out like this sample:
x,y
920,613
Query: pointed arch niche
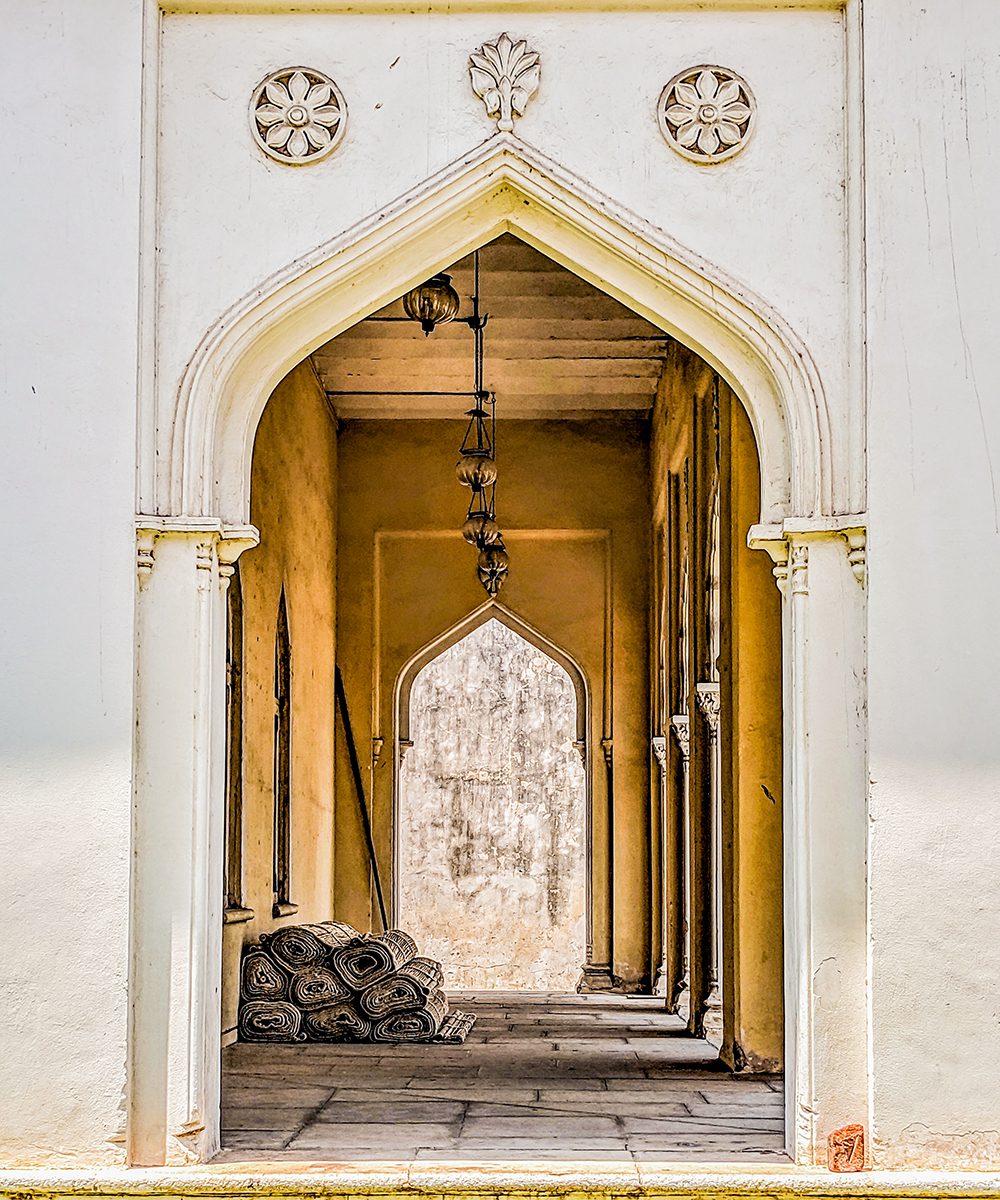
x,y
494,612
195,522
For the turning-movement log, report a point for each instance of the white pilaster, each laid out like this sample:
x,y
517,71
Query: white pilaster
x,y
183,569
825,828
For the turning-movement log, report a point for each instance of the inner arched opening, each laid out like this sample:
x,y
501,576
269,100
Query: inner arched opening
x,y
491,817
628,479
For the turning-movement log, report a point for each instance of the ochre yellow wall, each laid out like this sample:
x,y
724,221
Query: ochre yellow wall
x,y
573,502
749,669
751,750
294,505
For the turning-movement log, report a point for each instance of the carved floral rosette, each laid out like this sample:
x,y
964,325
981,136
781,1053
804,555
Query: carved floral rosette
x,y
297,115
707,113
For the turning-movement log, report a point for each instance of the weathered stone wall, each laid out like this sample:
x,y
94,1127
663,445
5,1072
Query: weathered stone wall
x,y
492,816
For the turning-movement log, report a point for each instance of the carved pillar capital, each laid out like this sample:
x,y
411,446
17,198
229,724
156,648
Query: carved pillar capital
x,y
681,727
608,745
214,543
659,746
788,546
709,705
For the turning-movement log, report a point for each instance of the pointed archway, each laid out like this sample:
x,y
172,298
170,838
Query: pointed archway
x,y
201,506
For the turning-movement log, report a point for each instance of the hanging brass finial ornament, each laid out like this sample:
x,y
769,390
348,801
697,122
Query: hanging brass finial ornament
x,y
432,303
492,566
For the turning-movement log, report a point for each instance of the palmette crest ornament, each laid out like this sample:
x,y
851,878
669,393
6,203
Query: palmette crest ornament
x,y
505,75
707,113
298,115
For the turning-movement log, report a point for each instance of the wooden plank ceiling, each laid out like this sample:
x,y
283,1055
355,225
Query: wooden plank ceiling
x,y
556,347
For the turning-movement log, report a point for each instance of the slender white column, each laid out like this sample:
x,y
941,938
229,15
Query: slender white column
x,y
681,999
177,839
820,572
661,982
709,705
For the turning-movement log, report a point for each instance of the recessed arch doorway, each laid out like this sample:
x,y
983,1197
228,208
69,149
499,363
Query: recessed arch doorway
x,y
187,551
492,853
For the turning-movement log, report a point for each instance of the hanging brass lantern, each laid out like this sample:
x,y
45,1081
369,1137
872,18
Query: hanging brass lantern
x,y
477,468
476,471
432,303
480,527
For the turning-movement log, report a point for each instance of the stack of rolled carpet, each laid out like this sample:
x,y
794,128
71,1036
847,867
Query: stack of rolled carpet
x,y
330,983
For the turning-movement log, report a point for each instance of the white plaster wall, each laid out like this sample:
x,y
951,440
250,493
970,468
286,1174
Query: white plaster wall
x,y
933,247
773,217
69,223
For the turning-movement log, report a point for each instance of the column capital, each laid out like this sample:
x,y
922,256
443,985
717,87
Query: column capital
x,y
681,726
788,545
659,746
710,704
211,537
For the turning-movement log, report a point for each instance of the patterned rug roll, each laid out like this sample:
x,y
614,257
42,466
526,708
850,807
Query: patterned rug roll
x,y
368,960
261,978
408,989
420,1025
298,946
270,1021
315,987
456,1028
338,1023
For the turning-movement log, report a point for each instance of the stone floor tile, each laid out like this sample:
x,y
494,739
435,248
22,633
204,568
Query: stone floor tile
x,y
265,1118
258,1139
550,1142
275,1097
539,1125
402,1138
481,1092
379,1112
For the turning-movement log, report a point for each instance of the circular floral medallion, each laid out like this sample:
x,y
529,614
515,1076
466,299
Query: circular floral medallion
x,y
707,113
298,115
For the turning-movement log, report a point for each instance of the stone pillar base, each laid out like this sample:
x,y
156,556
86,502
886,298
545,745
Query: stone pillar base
x,y
597,977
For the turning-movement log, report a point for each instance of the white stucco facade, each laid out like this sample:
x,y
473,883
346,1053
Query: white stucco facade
x,y
162,274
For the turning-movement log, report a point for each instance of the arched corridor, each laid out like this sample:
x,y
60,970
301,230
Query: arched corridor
x,y
545,811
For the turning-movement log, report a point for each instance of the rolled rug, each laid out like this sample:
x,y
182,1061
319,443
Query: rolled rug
x,y
261,978
270,1021
368,960
297,946
455,1028
337,1023
420,1025
316,987
407,989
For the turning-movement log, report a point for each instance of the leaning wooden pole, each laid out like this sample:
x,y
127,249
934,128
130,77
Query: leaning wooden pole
x,y
352,754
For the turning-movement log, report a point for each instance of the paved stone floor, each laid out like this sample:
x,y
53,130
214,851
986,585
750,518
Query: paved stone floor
x,y
542,1077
